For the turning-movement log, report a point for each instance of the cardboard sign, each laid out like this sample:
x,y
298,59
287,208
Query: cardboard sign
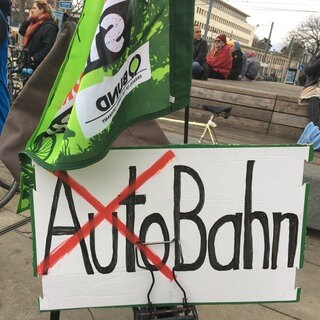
x,y
227,222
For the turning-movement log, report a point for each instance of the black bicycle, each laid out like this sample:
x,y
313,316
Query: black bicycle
x,y
18,71
8,185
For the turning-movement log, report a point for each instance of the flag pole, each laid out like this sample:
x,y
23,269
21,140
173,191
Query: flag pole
x,y
208,20
186,124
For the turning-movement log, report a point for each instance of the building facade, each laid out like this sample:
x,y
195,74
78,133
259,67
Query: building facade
x,y
225,19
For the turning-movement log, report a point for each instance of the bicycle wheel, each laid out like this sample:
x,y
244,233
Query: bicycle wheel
x,y
8,186
7,194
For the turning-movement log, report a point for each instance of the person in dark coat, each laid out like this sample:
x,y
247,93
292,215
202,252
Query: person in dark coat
x,y
310,96
244,65
237,60
311,93
200,50
39,33
5,6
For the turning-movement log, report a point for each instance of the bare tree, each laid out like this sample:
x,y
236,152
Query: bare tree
x,y
255,41
19,8
297,49
77,7
307,35
261,43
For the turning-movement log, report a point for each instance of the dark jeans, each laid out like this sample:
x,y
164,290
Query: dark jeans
x,y
215,75
314,110
197,70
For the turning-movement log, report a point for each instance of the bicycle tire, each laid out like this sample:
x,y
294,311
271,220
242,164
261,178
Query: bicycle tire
x,y
8,185
5,184
8,194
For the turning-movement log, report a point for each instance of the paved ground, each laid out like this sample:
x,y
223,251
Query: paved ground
x,y
19,289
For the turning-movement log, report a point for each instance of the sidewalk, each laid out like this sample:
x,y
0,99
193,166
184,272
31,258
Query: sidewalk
x,y
19,289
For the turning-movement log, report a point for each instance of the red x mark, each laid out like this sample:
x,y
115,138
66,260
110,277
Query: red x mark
x,y
105,213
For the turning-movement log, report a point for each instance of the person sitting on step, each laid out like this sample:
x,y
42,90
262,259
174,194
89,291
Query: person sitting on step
x,y
200,50
310,96
219,58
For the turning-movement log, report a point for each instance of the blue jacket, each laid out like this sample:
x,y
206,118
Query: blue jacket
x,y
4,93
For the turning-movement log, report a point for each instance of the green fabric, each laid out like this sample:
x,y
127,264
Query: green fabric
x,y
147,74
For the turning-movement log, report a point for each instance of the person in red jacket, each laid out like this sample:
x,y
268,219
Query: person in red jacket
x,y
219,58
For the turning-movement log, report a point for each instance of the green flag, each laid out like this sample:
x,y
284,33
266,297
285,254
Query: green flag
x,y
130,60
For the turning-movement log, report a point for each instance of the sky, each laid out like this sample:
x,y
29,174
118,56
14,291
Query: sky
x,y
286,15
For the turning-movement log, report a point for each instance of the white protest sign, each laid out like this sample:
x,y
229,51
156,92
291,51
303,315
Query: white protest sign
x,y
232,219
